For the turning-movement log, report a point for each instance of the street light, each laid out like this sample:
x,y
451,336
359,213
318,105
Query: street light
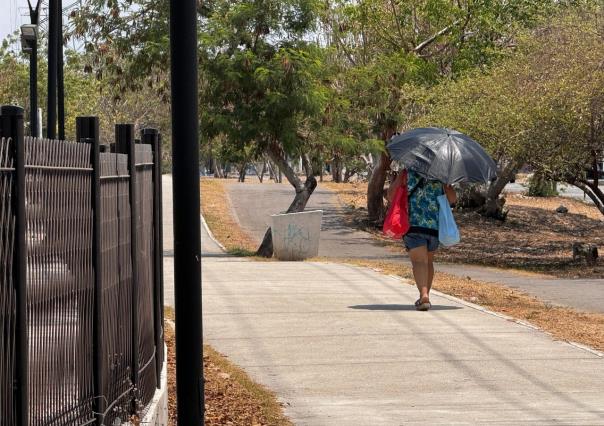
x,y
29,44
29,36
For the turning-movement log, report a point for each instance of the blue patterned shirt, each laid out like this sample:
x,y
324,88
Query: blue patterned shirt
x,y
423,204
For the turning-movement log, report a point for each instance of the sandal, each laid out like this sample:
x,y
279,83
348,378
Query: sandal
x,y
422,306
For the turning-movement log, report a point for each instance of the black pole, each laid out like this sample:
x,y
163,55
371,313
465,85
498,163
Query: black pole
x,y
11,126
33,89
187,247
33,75
151,137
60,77
125,144
53,27
87,131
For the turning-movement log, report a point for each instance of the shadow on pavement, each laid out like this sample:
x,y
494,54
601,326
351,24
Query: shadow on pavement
x,y
402,308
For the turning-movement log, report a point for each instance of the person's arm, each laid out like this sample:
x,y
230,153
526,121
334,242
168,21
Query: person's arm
x,y
451,194
398,181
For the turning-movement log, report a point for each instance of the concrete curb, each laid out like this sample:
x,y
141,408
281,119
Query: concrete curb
x,y
157,412
502,316
486,311
207,228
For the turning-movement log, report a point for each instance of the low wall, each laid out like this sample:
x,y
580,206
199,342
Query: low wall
x,y
157,412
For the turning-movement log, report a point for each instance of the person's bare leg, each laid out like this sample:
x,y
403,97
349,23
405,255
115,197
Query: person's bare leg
x,y
421,272
430,270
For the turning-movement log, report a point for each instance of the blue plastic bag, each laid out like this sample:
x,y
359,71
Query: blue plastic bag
x,y
448,234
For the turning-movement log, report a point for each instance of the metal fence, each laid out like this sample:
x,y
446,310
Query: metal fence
x,y
81,319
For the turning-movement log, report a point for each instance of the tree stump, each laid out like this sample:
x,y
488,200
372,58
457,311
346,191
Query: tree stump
x,y
589,252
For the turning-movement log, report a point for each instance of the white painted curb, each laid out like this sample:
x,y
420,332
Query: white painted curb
x,y
207,228
157,411
507,318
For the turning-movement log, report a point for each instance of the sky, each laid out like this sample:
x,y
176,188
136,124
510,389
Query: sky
x,y
10,16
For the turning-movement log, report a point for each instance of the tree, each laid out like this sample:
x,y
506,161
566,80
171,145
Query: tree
x,y
81,91
542,106
385,46
260,83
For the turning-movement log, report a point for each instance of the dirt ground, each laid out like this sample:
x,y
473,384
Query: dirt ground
x,y
231,398
534,237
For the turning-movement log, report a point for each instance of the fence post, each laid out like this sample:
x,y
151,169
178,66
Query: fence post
x,y
125,144
151,137
87,131
11,126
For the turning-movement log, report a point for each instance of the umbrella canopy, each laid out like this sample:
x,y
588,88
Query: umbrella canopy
x,y
443,154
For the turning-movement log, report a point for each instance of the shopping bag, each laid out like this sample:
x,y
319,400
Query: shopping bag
x,y
396,224
448,233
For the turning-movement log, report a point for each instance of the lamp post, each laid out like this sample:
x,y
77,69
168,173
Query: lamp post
x,y
187,246
53,45
29,44
60,74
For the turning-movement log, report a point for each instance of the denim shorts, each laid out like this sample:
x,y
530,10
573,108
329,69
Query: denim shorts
x,y
415,239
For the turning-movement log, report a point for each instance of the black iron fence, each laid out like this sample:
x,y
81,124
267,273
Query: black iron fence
x,y
81,318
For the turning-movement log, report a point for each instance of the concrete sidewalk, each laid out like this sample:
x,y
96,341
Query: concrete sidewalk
x,y
253,205
209,248
342,345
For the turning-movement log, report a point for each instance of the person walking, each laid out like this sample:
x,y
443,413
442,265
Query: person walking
x,y
421,241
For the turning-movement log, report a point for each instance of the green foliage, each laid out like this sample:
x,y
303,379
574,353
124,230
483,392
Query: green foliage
x,y
386,49
543,105
260,78
81,91
127,42
541,187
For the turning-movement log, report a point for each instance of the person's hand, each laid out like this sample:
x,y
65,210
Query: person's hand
x,y
451,194
396,183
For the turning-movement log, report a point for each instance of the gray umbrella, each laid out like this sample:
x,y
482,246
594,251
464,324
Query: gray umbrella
x,y
443,154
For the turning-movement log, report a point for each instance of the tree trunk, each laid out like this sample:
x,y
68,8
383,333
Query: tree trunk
x,y
348,174
261,174
218,172
493,206
592,190
303,193
375,189
336,170
242,173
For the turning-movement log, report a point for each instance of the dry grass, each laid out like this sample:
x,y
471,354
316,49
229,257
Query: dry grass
x,y
231,397
216,208
562,323
533,238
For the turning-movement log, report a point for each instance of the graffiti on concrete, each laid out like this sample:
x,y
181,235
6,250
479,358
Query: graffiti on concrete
x,y
295,240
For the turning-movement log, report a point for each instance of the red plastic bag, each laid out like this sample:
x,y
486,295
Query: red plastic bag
x,y
396,224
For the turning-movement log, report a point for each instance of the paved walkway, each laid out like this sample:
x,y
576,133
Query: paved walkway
x,y
253,204
341,345
209,248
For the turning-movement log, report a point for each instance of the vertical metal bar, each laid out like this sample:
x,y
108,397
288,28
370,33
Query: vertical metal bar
x,y
33,75
33,89
160,197
151,137
87,131
125,144
11,126
187,246
60,76
51,126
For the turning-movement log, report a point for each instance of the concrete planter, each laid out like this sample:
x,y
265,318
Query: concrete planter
x,y
296,235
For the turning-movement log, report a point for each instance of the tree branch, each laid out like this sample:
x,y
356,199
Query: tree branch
x,y
434,37
275,152
595,193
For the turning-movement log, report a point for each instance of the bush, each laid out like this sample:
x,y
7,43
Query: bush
x,y
541,187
